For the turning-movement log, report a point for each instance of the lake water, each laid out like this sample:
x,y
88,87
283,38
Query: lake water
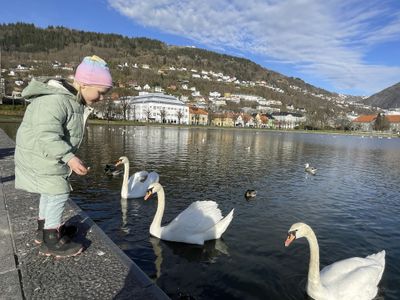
x,y
352,203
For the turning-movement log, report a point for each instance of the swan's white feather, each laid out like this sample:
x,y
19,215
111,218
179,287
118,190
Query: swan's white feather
x,y
136,178
199,222
198,217
354,278
135,186
340,268
139,182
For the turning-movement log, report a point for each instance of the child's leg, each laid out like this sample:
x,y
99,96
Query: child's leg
x,y
54,242
54,209
43,206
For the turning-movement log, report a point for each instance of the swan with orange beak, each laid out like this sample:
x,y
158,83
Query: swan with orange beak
x,y
347,279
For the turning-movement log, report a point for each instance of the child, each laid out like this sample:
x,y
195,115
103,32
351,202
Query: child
x,y
49,136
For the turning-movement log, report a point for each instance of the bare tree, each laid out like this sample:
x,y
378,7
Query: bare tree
x,y
197,119
106,108
312,120
148,114
342,123
163,113
125,107
134,112
179,114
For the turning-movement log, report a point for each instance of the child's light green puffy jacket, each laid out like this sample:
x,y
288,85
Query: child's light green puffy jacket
x,y
48,137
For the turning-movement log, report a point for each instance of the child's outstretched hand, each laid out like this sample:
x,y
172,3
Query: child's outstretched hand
x,y
77,166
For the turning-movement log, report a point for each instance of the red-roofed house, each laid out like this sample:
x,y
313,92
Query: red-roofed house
x,y
366,122
198,116
394,121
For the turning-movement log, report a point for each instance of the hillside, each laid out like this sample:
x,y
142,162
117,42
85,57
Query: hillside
x,y
168,67
388,98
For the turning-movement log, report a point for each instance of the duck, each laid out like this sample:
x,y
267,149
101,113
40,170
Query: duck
x,y
201,221
250,194
310,169
136,185
351,278
111,170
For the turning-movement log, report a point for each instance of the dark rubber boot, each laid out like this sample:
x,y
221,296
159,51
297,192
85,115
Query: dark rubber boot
x,y
39,231
55,245
68,230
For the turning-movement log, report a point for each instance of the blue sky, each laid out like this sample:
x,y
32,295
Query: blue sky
x,y
344,46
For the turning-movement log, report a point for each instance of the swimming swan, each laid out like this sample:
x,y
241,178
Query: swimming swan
x,y
200,222
135,186
310,169
352,278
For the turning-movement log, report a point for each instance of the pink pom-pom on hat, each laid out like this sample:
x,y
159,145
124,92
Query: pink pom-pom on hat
x,y
93,71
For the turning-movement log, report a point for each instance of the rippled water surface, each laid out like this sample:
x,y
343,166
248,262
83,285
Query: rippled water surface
x,y
352,204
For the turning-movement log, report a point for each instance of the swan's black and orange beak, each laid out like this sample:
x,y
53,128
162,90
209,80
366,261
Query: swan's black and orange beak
x,y
290,238
118,162
148,194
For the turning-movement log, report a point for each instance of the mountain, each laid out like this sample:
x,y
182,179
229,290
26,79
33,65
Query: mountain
x,y
388,98
168,67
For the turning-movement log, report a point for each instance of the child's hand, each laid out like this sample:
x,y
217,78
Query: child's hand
x,y
77,166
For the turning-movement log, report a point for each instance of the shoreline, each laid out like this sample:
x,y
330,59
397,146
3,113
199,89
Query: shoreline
x,y
17,119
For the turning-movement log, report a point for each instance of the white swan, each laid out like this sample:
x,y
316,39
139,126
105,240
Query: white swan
x,y
310,169
200,222
135,186
352,278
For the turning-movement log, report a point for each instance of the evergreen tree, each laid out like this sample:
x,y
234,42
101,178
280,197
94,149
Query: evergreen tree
x,y
381,123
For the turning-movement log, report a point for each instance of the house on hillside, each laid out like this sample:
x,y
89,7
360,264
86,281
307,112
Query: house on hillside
x,y
367,122
394,121
264,121
364,122
244,120
198,116
157,107
224,120
239,122
286,120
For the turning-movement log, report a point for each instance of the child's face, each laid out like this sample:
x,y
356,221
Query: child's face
x,y
93,93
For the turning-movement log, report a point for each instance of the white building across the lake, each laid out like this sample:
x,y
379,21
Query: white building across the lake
x,y
157,107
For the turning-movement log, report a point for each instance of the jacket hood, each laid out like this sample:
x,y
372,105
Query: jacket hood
x,y
41,87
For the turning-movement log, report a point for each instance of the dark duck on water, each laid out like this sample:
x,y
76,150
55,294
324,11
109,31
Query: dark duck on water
x,y
111,170
250,194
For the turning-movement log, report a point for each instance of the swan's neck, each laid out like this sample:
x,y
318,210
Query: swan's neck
x,y
313,269
124,191
155,228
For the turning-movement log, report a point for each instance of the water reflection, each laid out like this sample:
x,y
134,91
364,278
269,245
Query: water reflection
x,y
130,208
155,243
124,210
208,253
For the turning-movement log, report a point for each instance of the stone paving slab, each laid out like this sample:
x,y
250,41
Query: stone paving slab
x,y
6,246
102,271
10,285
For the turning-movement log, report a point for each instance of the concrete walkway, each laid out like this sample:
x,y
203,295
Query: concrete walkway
x,y
103,271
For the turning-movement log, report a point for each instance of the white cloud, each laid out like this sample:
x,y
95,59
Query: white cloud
x,y
329,40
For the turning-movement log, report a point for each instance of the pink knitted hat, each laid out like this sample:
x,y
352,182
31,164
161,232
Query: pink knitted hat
x,y
93,71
